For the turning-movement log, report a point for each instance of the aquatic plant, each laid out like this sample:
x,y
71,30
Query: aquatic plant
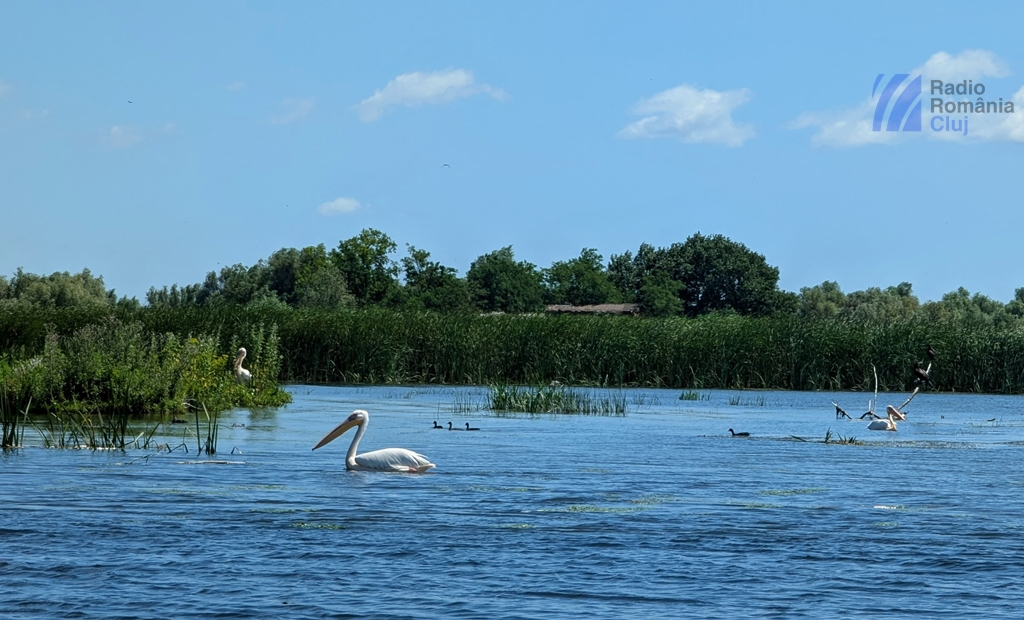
x,y
694,395
554,399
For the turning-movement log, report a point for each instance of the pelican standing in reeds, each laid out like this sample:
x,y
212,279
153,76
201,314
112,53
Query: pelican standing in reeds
x,y
388,459
242,375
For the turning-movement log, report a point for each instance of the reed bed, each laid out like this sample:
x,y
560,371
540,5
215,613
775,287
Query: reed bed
x,y
555,399
375,346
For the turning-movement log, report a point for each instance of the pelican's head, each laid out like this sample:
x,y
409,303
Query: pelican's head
x,y
241,351
893,413
357,418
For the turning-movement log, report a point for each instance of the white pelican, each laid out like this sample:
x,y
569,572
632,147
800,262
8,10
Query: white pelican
x,y
895,413
388,459
241,375
883,424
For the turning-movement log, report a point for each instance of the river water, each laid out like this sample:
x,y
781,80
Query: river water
x,y
656,514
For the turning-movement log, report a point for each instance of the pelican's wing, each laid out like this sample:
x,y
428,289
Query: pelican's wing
x,y
393,459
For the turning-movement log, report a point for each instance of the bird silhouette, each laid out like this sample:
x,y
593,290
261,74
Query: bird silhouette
x,y
735,434
129,102
470,429
931,352
436,425
446,166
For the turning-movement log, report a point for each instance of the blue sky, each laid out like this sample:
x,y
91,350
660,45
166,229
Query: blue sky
x,y
256,126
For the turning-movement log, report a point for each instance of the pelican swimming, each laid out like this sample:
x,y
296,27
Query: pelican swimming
x,y
388,459
470,429
241,375
884,424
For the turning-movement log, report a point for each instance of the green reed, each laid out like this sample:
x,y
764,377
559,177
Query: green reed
x,y
554,399
376,346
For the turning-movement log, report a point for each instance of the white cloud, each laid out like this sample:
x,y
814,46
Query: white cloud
x,y
692,115
852,126
338,206
412,89
294,110
235,86
123,135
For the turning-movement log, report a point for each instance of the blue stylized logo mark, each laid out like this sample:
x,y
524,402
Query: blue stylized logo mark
x,y
901,109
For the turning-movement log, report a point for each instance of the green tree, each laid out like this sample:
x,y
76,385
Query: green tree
x,y
429,285
318,281
581,281
364,261
825,300
874,304
57,290
721,274
660,295
498,283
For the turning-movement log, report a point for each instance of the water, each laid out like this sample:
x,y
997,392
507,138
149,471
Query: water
x,y
659,514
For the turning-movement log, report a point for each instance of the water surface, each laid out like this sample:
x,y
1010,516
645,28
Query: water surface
x,y
657,514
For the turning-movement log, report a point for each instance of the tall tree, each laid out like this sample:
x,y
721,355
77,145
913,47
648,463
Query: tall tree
x,y
498,283
432,286
580,281
364,260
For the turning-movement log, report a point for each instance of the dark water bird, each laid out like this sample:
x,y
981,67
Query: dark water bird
x,y
470,429
735,434
870,414
931,352
841,413
178,421
436,425
921,375
450,427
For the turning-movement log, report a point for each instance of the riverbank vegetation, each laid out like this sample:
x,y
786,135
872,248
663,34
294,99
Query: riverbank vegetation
x,y
712,316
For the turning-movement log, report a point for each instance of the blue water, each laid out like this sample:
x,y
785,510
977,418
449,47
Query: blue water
x,y
658,514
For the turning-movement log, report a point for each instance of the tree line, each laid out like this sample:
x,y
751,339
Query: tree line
x,y
702,275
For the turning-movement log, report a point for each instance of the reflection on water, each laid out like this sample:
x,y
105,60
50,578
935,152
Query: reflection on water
x,y
656,514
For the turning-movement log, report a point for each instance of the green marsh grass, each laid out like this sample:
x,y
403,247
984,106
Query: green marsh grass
x,y
376,346
555,399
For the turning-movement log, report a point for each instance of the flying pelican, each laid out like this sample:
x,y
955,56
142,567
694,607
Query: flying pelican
x,y
388,459
241,375
470,429
436,425
735,434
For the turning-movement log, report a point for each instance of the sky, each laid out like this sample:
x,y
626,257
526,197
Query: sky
x,y
155,142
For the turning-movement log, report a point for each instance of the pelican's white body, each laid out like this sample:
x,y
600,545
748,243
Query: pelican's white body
x,y
241,375
388,459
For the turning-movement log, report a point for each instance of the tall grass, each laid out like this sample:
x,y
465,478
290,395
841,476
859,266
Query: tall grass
x,y
725,352
552,399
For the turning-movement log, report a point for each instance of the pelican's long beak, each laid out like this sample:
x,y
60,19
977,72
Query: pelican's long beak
x,y
338,431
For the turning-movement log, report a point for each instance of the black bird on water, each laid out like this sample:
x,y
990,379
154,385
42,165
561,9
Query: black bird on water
x,y
931,352
735,434
453,429
921,375
470,429
436,425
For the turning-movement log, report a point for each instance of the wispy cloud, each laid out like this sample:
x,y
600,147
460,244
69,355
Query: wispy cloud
x,y
851,127
412,89
339,206
235,86
294,109
692,115
121,136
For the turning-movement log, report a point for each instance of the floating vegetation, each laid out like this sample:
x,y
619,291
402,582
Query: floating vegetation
x,y
794,491
695,395
555,399
887,524
652,500
319,526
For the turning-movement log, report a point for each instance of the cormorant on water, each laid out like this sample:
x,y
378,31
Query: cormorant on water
x,y
922,376
735,434
436,425
470,429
